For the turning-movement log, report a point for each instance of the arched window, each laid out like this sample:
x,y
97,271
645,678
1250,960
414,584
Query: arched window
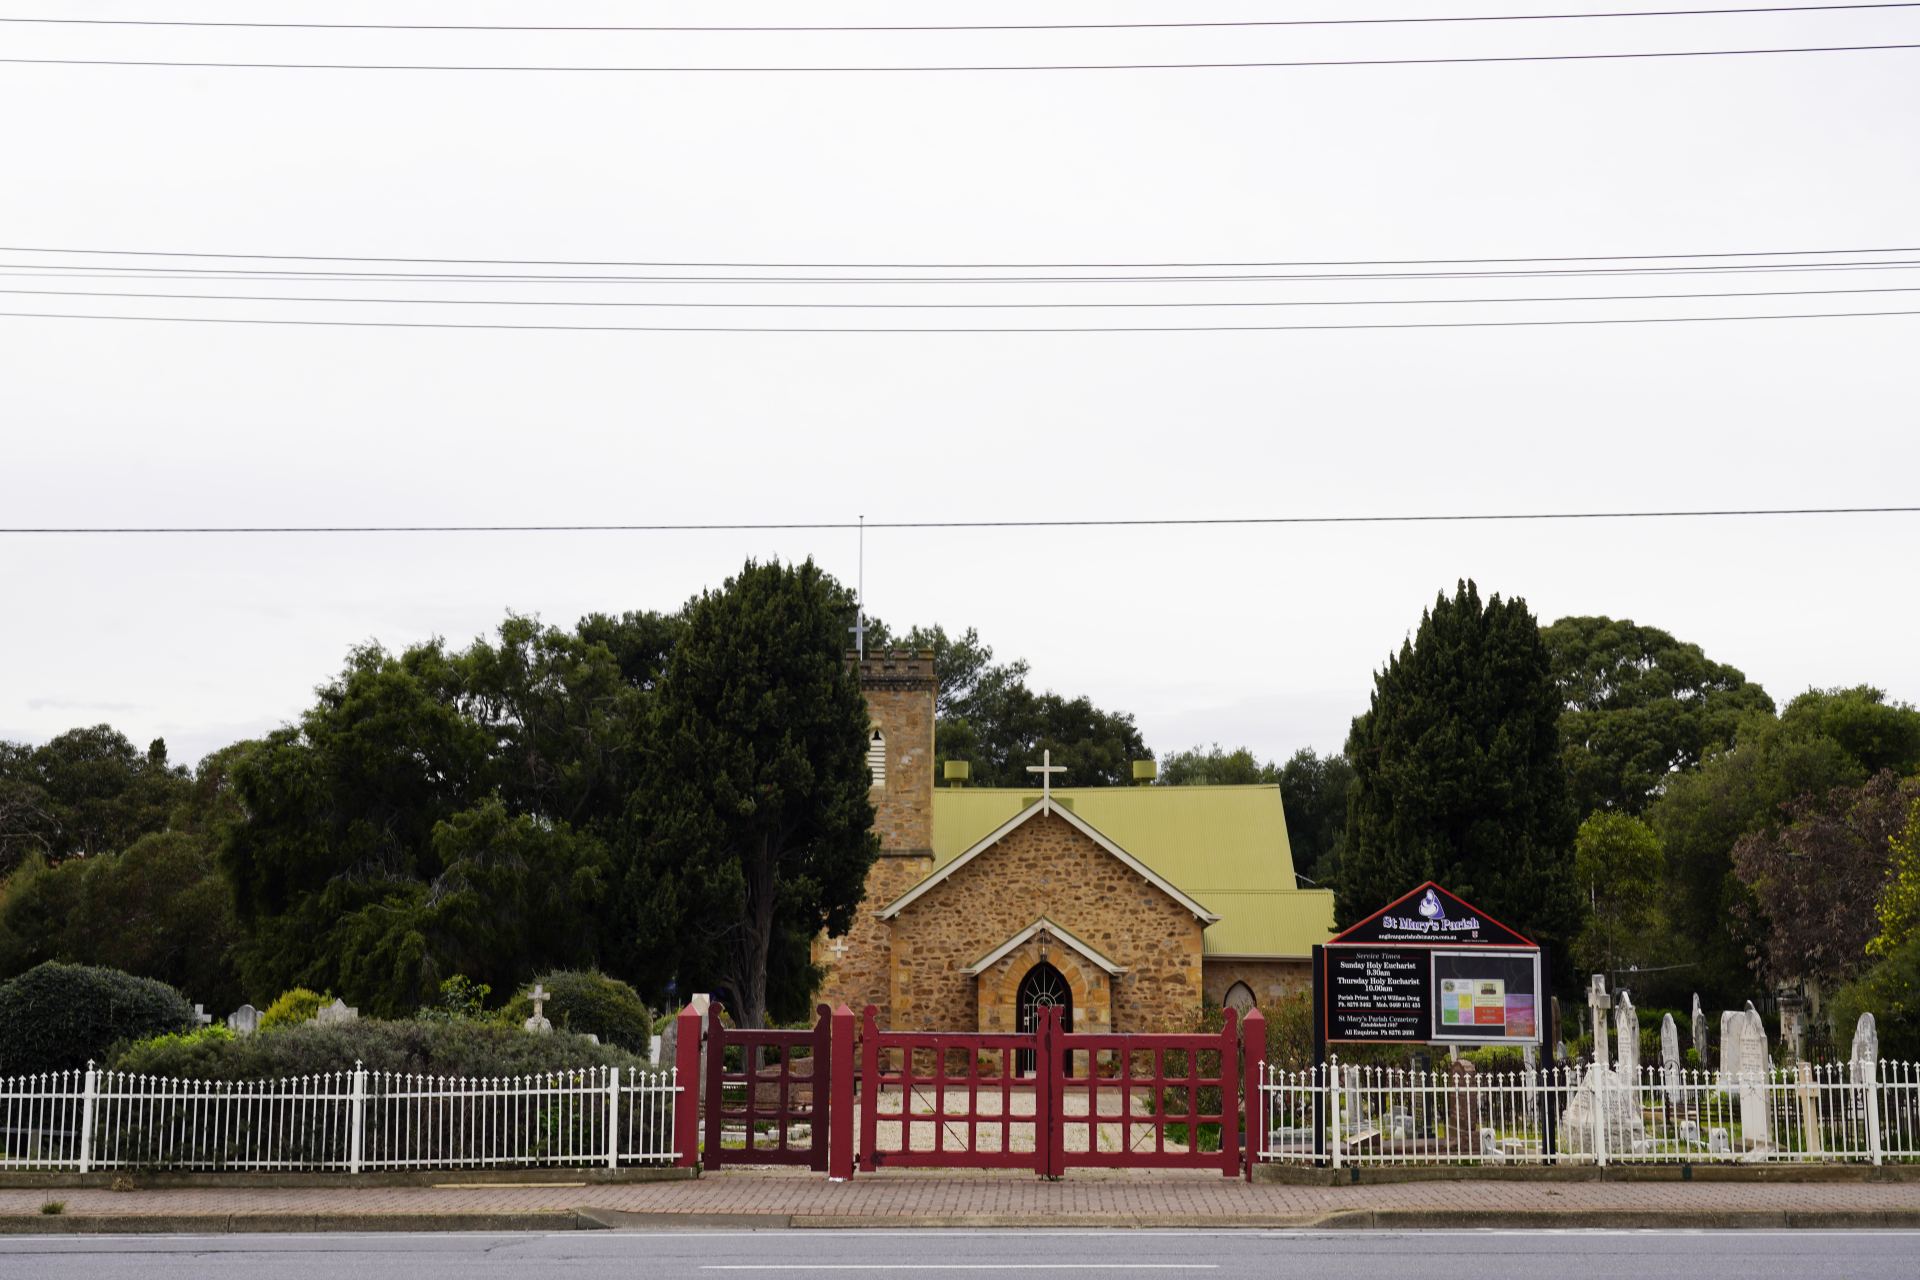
x,y
877,757
1239,998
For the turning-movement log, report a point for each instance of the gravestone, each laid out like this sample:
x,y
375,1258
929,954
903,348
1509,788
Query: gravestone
x,y
1598,1002
1670,1059
1754,1070
1866,1042
1626,1033
538,1023
1793,1009
1603,1098
1730,1021
1701,1039
653,1048
244,1021
200,1015
1359,1122
337,1012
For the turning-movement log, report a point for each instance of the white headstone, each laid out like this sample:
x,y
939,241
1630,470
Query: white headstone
x,y
337,1012
1866,1041
538,1023
1626,1031
244,1021
1598,1002
200,1015
1670,1058
1753,1080
1792,1026
1730,1021
1701,1045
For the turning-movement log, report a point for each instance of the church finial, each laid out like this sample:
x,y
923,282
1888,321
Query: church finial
x,y
1046,769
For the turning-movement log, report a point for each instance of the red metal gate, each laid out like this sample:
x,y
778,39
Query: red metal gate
x,y
960,1100
768,1095
1161,1101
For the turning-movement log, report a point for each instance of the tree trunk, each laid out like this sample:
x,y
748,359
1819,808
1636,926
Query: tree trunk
x,y
757,939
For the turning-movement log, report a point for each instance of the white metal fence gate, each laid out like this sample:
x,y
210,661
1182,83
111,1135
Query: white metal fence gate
x,y
349,1121
1807,1114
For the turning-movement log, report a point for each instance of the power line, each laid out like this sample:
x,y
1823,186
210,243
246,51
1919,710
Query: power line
x,y
578,262
1116,523
1021,26
947,306
949,329
452,277
1058,66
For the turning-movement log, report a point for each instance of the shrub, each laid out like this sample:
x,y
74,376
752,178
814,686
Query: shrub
x,y
58,1016
416,1046
587,1001
293,1007
176,1041
460,997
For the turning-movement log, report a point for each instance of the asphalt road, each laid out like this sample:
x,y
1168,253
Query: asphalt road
x,y
1269,1255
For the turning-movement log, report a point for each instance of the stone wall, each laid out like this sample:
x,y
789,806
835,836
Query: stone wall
x,y
899,687
1271,980
1045,868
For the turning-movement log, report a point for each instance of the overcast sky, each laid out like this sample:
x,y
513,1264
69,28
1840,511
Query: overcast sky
x,y
1263,636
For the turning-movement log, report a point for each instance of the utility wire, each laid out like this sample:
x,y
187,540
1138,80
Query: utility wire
x,y
1058,66
1121,523
1206,328
945,306
451,277
1021,26
578,262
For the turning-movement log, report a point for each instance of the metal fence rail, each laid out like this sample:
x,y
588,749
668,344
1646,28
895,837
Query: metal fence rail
x,y
1799,1114
350,1121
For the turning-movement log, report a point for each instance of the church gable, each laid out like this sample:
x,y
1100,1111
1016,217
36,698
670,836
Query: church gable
x,y
1046,866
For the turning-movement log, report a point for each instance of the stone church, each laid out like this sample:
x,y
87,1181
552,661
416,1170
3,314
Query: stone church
x,y
1125,906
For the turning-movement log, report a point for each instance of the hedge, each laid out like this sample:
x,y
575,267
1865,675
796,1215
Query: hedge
x,y
58,1016
461,1047
587,1001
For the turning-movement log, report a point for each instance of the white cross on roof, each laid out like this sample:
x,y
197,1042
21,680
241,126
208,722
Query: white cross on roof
x,y
1046,769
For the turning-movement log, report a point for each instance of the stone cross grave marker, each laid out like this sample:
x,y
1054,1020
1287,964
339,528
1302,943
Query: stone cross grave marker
x,y
1699,1020
1626,1032
337,1012
538,1023
200,1015
1754,1071
244,1021
1046,769
1670,1058
1598,1001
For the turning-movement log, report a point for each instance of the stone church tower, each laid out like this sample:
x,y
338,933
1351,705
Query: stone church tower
x,y
899,686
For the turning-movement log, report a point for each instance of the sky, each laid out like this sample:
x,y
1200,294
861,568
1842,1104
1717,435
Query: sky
x,y
1266,636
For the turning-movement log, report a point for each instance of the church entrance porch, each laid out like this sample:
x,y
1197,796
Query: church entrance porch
x,y
1043,967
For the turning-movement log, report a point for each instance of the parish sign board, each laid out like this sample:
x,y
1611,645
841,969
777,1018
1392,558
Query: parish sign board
x,y
1428,968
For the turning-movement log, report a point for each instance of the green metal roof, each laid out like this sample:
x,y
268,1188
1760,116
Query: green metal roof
x,y
1224,846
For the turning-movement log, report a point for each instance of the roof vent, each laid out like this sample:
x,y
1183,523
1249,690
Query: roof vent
x,y
957,772
1145,771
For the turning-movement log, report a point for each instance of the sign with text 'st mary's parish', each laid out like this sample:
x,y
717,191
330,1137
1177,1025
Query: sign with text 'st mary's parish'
x,y
1430,916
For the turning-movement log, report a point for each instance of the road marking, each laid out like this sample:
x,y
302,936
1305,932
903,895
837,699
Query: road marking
x,y
963,1266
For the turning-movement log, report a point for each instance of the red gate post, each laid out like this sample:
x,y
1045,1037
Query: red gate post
x,y
840,1105
1229,1103
823,1080
1255,1100
869,1092
716,1090
686,1075
1049,1090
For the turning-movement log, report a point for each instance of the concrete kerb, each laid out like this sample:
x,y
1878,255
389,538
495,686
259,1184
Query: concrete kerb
x,y
1298,1176
74,1224
156,1181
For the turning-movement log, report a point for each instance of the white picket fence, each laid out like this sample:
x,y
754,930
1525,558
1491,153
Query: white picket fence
x,y
351,1121
1802,1114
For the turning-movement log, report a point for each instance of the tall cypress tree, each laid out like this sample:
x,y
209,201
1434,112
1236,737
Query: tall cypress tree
x,y
1457,771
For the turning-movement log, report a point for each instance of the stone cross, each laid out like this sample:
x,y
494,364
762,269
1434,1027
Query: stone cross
x,y
859,629
244,1021
1626,1033
839,948
538,1023
1046,769
337,1012
1670,1058
200,1015
1598,1001
1700,1033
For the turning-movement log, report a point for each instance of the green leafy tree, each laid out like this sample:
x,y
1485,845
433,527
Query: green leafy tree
x,y
1897,913
86,791
1818,878
1639,706
1215,767
755,826
1878,734
1457,772
1617,869
1314,788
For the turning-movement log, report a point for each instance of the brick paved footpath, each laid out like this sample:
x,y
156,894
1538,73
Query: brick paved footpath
x,y
903,1198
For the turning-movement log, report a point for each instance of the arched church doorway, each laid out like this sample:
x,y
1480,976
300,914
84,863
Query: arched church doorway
x,y
1044,987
